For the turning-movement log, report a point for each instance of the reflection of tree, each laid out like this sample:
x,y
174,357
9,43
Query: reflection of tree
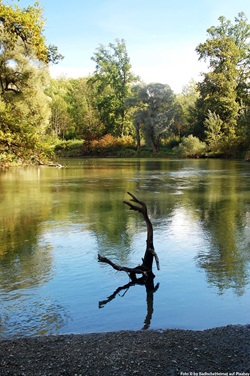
x,y
150,290
226,262
92,195
216,196
211,194
23,263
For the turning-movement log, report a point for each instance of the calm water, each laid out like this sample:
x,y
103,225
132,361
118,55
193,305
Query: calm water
x,y
54,222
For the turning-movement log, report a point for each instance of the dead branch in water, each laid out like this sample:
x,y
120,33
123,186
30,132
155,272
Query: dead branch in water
x,y
147,262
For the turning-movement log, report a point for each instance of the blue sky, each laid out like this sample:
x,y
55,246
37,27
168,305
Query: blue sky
x,y
160,35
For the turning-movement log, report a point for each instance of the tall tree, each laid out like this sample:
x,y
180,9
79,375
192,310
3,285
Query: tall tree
x,y
82,109
224,89
26,26
60,122
24,58
113,79
187,100
157,113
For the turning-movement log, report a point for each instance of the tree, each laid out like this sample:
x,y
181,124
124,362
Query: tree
x,y
224,89
187,100
24,108
24,58
26,26
82,109
60,122
112,81
157,113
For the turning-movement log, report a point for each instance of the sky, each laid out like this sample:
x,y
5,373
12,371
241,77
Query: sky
x,y
160,35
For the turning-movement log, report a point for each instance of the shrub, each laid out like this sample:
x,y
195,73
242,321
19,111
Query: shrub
x,y
70,148
191,146
126,142
107,144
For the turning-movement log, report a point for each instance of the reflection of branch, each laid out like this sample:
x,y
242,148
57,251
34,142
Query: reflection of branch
x,y
111,297
150,306
151,289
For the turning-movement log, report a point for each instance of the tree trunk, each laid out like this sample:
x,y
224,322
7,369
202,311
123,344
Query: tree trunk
x,y
138,136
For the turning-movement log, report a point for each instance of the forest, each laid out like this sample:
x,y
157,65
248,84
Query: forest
x,y
112,112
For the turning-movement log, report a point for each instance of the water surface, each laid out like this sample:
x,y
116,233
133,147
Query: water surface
x,y
54,222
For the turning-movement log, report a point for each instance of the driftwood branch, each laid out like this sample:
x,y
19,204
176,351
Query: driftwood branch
x,y
147,262
150,251
136,270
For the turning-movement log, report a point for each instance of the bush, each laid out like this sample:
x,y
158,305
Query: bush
x,y
191,146
69,148
126,142
108,144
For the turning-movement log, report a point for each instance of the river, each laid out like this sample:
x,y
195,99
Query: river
x,y
54,222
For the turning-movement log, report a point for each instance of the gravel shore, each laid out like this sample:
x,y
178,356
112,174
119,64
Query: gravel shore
x,y
214,352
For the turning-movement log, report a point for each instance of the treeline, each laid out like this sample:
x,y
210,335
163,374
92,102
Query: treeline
x,y
113,112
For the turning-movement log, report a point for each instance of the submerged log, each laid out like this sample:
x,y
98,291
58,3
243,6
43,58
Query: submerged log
x,y
145,269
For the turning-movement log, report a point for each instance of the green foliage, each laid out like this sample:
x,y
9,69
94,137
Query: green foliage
x,y
104,109
156,113
60,124
24,107
69,148
82,108
26,26
19,144
214,126
187,99
191,146
219,141
112,84
224,90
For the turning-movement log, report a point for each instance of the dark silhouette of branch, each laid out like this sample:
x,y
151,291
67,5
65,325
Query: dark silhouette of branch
x,y
150,251
147,262
150,298
102,303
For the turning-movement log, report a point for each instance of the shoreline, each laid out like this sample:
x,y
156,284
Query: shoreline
x,y
212,352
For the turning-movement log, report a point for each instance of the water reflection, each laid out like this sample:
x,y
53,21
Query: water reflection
x,y
55,222
150,290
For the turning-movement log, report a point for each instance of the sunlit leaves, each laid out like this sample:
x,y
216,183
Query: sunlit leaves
x,y
157,112
224,89
112,80
26,25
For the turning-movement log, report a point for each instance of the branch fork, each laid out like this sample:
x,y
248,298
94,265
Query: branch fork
x,y
145,269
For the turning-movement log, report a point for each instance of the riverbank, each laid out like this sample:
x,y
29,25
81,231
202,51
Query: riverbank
x,y
219,351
